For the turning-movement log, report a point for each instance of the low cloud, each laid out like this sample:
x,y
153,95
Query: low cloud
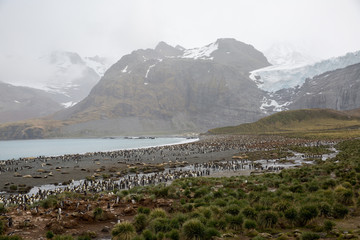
x,y
112,28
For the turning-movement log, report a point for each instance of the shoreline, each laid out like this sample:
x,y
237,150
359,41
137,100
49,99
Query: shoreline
x,y
64,168
184,141
54,170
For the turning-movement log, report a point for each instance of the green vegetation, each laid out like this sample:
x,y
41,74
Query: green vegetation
x,y
49,235
193,229
2,208
2,227
313,198
50,202
317,199
123,231
314,123
271,154
315,150
98,213
10,238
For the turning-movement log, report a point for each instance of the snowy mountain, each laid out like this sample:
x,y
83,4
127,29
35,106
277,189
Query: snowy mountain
x,y
71,77
275,78
171,89
284,84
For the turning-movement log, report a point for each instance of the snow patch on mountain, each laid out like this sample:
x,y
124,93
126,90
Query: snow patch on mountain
x,y
148,70
268,104
68,104
202,52
98,64
125,69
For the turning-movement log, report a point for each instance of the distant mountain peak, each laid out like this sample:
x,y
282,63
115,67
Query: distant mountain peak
x,y
167,50
227,40
163,45
283,53
181,48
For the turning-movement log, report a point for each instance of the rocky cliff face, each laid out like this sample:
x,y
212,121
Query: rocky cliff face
x,y
290,87
170,89
339,89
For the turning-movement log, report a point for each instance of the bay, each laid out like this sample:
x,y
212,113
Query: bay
x,y
16,149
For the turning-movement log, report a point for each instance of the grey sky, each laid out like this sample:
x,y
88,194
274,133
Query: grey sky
x,y
112,28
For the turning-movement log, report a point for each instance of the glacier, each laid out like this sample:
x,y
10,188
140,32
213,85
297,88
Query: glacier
x,y
274,78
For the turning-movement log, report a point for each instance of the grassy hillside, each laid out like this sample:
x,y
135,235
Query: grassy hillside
x,y
354,112
314,123
302,123
30,129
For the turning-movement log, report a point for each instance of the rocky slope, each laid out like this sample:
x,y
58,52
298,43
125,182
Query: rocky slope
x,y
20,103
303,122
294,70
305,87
170,89
339,89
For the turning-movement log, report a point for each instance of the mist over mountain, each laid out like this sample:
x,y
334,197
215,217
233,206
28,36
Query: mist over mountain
x,y
286,54
72,76
20,103
66,75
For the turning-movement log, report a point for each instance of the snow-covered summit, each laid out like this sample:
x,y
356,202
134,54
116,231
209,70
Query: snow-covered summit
x,y
202,52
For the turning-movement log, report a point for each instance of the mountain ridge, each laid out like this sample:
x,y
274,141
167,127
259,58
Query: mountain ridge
x,y
171,90
174,86
303,122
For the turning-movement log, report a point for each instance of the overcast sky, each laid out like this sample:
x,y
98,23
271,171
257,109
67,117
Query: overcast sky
x,y
112,28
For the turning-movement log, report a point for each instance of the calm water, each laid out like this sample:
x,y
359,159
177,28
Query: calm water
x,y
53,147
